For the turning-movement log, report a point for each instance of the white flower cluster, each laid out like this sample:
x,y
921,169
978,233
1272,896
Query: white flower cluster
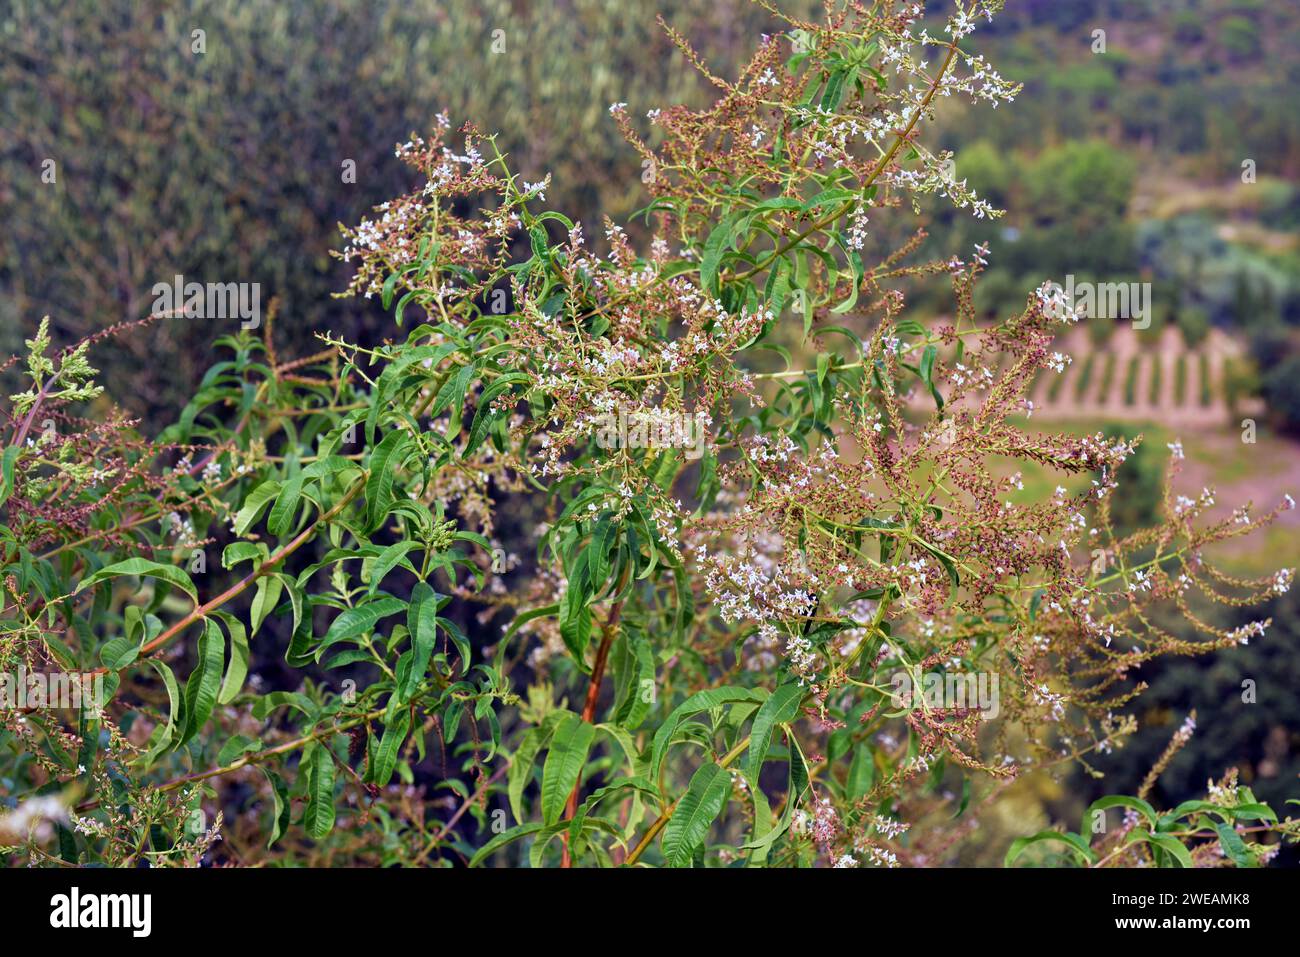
x,y
1253,629
1055,303
858,229
371,235
538,188
888,827
1282,581
1184,505
881,857
1045,696
746,592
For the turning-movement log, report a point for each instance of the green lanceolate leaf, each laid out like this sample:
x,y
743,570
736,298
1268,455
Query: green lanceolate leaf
x,y
1117,800
143,568
700,701
121,651
422,623
384,463
714,248
1172,848
254,505
640,689
484,415
358,621
564,763
237,669
928,358
780,708
318,818
1076,844
166,734
280,521
698,808
521,768
7,461
204,682
265,598
459,639
575,611
281,810
391,557
1233,846
797,787
501,840
389,746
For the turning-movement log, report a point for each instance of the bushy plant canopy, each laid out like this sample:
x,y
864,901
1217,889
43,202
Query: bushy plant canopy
x,y
782,601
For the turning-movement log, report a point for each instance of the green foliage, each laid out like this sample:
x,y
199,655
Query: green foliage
x,y
737,548
1194,324
1282,386
1131,380
1239,36
1155,385
1141,477
1086,184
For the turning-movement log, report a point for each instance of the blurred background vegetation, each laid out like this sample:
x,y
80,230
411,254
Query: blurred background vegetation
x,y
1122,165
228,165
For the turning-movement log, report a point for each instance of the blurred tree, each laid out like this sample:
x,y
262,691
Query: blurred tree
x,y
1239,37
1194,324
1282,391
228,154
989,171
1084,184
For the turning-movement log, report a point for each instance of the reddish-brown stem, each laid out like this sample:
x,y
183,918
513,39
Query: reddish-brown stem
x,y
26,424
589,708
240,586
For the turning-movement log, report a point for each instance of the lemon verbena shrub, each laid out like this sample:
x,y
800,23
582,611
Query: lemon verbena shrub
x,y
702,553
830,533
